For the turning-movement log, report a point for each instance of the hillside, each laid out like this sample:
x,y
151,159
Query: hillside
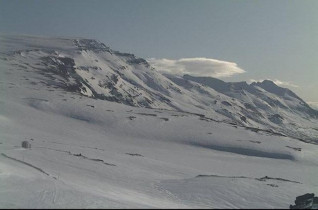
x,y
109,131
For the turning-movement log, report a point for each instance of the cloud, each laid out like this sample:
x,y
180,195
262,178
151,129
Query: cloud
x,y
284,83
313,104
277,82
196,67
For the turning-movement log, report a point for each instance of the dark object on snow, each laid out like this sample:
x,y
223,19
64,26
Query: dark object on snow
x,y
226,103
243,118
78,155
26,144
134,154
306,201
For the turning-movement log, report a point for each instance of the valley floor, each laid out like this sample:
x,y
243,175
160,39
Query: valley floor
x,y
88,153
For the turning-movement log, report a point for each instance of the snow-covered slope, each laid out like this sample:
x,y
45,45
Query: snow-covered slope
x,y
169,143
265,105
91,68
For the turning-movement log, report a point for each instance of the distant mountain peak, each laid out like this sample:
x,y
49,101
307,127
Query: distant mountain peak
x,y
91,44
266,82
269,82
272,87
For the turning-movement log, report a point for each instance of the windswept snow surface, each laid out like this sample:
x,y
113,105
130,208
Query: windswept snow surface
x,y
101,146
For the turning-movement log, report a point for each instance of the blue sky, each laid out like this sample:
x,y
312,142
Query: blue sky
x,y
269,39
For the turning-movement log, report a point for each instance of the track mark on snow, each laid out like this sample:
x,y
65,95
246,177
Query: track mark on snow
x,y
262,179
25,163
252,141
92,159
79,155
295,148
146,114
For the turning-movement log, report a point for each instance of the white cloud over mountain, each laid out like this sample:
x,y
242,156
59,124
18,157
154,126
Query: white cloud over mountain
x,y
313,104
197,67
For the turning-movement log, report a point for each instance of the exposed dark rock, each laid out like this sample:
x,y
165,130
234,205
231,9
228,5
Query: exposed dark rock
x,y
146,114
131,117
134,154
273,185
265,178
243,118
276,118
306,201
294,148
91,44
26,144
226,103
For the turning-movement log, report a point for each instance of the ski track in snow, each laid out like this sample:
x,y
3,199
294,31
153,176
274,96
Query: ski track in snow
x,y
25,163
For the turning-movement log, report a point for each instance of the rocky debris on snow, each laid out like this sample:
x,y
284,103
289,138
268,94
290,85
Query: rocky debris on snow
x,y
131,117
164,118
306,201
294,148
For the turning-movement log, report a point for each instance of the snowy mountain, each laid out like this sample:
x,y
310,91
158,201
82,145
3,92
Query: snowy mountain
x,y
108,130
92,69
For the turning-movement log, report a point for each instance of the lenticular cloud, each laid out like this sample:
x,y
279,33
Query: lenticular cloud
x,y
197,67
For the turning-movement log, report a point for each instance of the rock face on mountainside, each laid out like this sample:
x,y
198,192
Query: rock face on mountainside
x,y
90,68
